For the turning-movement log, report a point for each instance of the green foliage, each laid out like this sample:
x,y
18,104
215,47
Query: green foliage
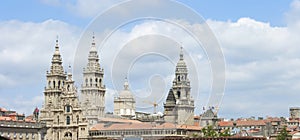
x,y
226,133
195,135
209,132
212,133
283,134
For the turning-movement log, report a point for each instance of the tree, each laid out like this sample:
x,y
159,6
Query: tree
x,y
209,132
283,134
226,133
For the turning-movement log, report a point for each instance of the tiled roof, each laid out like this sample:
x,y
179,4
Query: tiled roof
x,y
12,114
243,123
226,123
272,119
293,121
119,120
189,127
134,126
3,109
2,118
29,120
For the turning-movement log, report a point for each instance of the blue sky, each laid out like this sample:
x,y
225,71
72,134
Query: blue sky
x,y
258,39
266,11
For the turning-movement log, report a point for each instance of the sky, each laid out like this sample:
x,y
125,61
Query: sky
x,y
259,40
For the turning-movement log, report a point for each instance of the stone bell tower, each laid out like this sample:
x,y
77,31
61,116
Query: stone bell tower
x,y
61,111
93,88
179,106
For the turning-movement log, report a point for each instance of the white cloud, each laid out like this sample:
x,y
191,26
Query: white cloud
x,y
26,49
262,66
262,61
292,16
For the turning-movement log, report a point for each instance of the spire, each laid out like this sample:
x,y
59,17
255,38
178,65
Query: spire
x,y
70,73
126,85
181,62
56,47
93,51
56,63
93,48
181,53
93,58
181,71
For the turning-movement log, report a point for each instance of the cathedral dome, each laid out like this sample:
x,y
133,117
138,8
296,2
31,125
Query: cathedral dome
x,y
126,92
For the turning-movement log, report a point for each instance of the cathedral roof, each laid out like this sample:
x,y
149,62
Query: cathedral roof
x,y
126,93
141,126
171,98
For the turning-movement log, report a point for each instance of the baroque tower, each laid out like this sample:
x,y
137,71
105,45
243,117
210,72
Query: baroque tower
x,y
61,111
179,106
93,89
124,105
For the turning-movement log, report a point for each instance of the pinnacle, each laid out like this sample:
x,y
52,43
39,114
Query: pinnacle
x,y
126,85
181,53
56,48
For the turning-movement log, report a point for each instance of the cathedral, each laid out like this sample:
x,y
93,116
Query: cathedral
x,y
67,117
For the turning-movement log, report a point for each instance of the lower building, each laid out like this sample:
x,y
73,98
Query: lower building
x,y
111,128
21,129
209,117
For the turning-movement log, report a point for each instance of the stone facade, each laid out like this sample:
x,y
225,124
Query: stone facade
x,y
19,130
124,105
133,129
93,88
179,106
295,112
61,111
208,118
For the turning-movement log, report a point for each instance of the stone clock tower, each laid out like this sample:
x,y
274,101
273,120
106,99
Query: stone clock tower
x,y
179,106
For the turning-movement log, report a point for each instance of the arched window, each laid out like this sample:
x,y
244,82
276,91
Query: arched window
x,y
86,82
77,119
49,84
68,120
58,84
96,80
68,108
68,134
178,78
100,82
58,120
68,87
53,84
178,94
91,82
